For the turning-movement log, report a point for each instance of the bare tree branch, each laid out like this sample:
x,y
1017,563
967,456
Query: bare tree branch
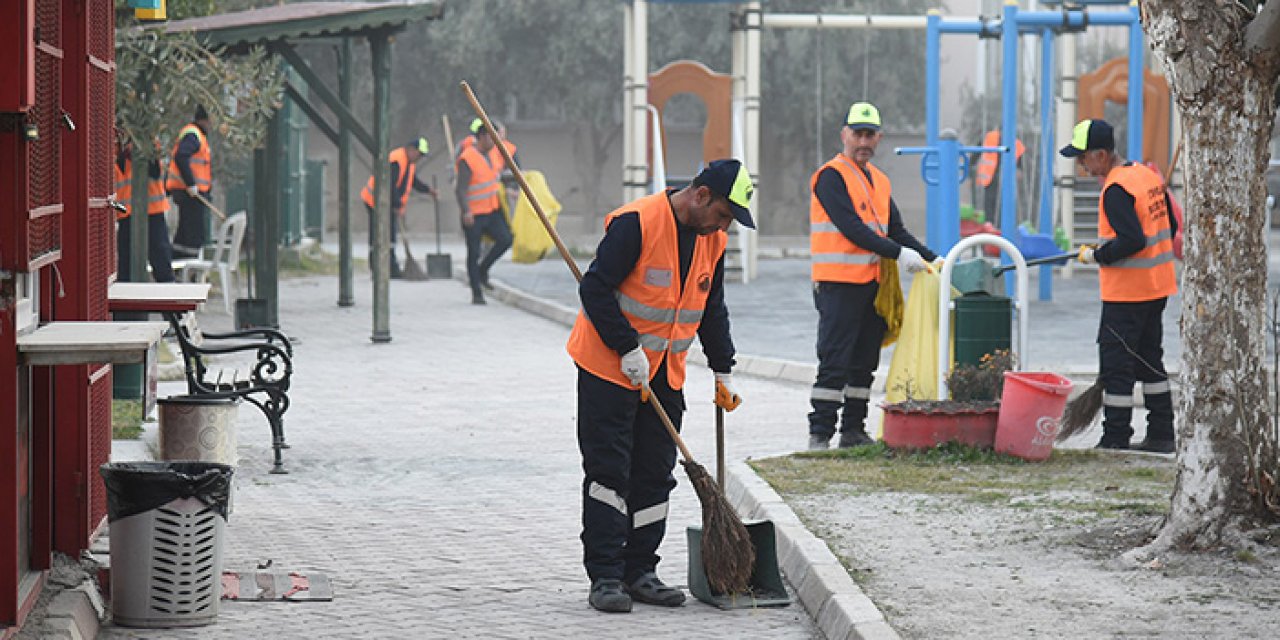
x,y
1262,35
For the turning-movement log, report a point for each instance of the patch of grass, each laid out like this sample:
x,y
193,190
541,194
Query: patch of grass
x,y
1247,556
295,263
126,419
1082,482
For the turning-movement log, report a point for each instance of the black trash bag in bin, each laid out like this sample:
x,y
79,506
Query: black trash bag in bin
x,y
136,487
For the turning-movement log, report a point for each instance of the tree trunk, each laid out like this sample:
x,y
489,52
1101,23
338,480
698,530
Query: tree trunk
x,y
1225,90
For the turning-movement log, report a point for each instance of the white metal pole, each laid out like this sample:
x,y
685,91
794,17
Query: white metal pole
x,y
628,57
751,125
1065,168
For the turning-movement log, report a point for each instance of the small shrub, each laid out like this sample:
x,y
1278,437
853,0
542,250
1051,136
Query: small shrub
x,y
981,383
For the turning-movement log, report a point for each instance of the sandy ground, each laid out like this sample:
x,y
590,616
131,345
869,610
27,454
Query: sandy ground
x,y
940,567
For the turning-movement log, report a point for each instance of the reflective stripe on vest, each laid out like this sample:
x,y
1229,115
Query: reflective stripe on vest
x,y
201,169
1148,274
400,158
157,199
664,312
834,257
482,191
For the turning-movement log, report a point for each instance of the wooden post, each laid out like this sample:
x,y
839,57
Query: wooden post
x,y
380,230
346,296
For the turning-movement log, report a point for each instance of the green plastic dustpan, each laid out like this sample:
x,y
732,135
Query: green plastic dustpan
x,y
766,589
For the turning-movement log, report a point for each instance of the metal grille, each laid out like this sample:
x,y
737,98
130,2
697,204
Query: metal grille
x,y
99,447
184,580
101,29
45,185
100,128
48,24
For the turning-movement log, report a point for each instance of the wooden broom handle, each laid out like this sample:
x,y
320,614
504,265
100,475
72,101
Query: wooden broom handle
x,y
506,155
666,422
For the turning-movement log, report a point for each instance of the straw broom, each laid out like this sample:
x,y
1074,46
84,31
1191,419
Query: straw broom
x,y
728,555
1082,410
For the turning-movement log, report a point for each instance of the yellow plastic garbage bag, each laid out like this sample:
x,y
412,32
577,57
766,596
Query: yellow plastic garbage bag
x,y
530,240
913,371
889,301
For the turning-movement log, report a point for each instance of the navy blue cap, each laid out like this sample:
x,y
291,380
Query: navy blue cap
x,y
730,180
1087,136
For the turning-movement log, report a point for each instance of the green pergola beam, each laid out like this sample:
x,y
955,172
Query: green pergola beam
x,y
301,100
330,99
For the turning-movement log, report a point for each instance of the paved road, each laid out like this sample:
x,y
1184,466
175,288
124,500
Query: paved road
x,y
436,480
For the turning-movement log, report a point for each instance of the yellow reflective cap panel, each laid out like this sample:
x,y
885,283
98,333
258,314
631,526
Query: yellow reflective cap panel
x,y
742,189
863,113
1080,135
476,123
423,146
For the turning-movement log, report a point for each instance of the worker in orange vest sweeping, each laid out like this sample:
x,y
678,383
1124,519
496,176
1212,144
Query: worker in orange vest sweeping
x,y
1136,278
477,190
403,178
189,180
656,283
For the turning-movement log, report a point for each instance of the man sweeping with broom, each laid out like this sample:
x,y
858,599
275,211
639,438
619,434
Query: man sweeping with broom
x,y
1136,278
656,283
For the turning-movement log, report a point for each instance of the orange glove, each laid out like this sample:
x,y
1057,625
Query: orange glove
x,y
726,397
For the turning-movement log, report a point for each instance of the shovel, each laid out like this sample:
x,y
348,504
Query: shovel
x,y
412,270
439,264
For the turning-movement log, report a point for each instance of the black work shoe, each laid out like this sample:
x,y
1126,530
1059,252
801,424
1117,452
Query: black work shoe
x,y
650,590
1111,444
608,596
477,298
1157,446
819,442
850,438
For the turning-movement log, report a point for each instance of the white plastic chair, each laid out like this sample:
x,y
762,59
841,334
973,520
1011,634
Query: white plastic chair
x,y
222,255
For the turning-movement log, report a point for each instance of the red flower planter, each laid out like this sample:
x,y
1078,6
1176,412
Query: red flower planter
x,y
925,428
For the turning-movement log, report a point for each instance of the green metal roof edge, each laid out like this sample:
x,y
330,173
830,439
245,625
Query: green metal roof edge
x,y
393,16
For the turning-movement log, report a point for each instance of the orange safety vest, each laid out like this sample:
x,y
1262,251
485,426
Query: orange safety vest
x,y
400,158
835,258
989,161
482,192
495,156
157,199
1147,274
201,169
665,314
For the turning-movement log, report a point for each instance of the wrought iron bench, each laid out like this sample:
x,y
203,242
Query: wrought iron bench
x,y
265,382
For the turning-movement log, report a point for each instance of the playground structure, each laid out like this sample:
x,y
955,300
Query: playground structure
x,y
942,175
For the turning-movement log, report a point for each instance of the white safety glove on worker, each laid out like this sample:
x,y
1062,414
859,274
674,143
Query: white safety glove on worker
x,y
910,260
1086,255
193,191
727,397
635,366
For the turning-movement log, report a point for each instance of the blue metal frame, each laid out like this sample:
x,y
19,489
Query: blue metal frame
x,y
939,193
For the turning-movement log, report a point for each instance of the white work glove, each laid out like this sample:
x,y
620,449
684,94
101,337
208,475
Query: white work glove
x,y
910,260
727,397
1086,255
193,191
635,366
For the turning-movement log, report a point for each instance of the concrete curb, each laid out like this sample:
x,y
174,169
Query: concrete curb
x,y
75,613
842,611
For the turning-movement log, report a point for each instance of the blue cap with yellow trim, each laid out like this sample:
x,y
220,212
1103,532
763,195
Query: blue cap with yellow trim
x,y
1089,135
730,179
863,115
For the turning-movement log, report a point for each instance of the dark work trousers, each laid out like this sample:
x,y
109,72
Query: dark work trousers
x,y
849,336
1129,349
627,459
159,253
991,199
193,225
495,226
391,220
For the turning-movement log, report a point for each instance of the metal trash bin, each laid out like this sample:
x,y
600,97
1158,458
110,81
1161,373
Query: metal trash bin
x,y
167,523
198,429
982,325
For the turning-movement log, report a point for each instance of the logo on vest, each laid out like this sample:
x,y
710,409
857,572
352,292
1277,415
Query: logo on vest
x,y
657,277
704,283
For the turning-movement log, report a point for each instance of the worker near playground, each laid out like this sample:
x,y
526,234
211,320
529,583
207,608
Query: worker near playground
x,y
189,181
657,281
159,252
478,196
1136,277
404,177
987,173
853,225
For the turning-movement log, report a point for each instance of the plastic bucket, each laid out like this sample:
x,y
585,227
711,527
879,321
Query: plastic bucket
x,y
1030,413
